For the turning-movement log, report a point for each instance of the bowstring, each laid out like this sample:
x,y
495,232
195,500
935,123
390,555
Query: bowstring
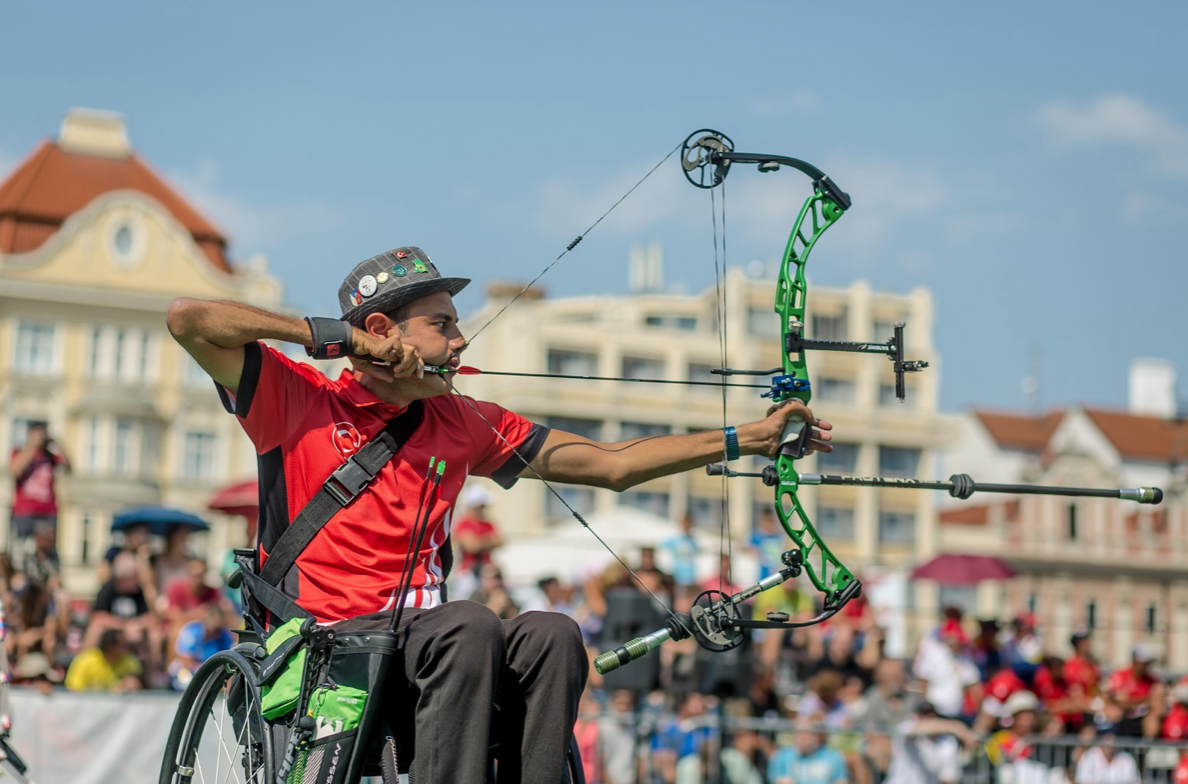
x,y
720,286
577,516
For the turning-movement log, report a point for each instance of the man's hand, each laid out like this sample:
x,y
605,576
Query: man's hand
x,y
384,358
771,429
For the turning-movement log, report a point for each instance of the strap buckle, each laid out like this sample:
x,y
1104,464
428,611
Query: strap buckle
x,y
347,481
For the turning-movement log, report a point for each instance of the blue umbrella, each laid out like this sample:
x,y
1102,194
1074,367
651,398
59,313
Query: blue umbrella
x,y
159,519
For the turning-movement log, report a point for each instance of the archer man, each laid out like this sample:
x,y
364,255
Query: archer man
x,y
459,660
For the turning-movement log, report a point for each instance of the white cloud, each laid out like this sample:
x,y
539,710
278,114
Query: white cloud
x,y
1118,119
795,102
251,225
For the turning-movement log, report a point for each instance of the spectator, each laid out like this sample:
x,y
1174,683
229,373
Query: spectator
x,y
556,596
197,641
999,688
134,539
1175,723
494,593
1024,650
945,671
122,604
1056,694
36,671
785,598
1081,670
985,650
768,543
1012,743
809,760
188,598
683,549
888,706
735,762
1128,694
40,562
617,738
475,535
680,737
723,580
1105,764
34,467
110,666
174,562
925,749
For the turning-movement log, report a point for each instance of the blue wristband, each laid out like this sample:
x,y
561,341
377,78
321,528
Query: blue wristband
x,y
730,436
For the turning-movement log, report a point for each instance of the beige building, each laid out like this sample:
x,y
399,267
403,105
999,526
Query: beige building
x,y
876,532
1114,566
93,246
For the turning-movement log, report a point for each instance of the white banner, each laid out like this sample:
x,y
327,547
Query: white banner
x,y
70,738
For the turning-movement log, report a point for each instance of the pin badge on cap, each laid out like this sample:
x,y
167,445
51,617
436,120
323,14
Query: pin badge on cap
x,y
356,297
367,285
420,267
381,278
399,271
400,254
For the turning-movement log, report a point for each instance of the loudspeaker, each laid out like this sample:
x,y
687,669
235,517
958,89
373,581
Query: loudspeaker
x,y
631,614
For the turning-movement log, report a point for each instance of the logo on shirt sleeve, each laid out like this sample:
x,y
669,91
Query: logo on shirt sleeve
x,y
346,439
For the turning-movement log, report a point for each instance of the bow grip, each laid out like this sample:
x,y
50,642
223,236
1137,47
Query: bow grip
x,y
794,440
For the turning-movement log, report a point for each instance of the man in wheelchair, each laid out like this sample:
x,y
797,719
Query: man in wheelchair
x,y
349,532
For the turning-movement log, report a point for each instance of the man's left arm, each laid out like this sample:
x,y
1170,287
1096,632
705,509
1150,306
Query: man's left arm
x,y
565,457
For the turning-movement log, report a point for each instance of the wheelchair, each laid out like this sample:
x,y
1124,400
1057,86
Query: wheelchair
x,y
220,734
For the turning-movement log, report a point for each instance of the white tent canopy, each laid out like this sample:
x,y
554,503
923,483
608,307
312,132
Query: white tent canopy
x,y
572,554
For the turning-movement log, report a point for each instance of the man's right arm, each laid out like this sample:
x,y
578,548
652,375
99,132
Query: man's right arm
x,y
215,332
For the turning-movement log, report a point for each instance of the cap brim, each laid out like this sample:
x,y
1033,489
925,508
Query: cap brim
x,y
388,301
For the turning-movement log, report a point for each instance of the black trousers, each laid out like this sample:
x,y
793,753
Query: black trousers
x,y
459,661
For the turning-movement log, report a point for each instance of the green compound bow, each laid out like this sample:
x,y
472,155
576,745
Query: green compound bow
x,y
714,619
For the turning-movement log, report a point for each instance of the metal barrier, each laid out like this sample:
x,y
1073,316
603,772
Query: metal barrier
x,y
656,748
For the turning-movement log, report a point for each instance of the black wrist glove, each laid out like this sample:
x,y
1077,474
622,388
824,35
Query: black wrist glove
x,y
331,337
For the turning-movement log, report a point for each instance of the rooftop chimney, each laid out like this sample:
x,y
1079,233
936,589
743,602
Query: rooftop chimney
x,y
1153,388
95,132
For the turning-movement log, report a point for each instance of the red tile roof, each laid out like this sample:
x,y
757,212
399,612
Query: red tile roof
x,y
1144,438
1020,431
53,184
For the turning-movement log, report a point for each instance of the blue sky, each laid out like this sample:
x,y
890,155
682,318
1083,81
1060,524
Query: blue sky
x,y
1027,162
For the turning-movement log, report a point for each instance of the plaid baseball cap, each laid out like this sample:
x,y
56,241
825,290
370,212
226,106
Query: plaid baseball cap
x,y
383,283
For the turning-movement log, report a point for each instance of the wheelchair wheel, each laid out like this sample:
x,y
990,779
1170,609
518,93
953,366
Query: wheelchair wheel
x,y
219,733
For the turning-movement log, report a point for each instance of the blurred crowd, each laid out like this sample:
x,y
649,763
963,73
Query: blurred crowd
x,y
975,691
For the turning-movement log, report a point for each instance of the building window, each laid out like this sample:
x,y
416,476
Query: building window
x,y
93,449
579,499
835,522
639,367
898,461
123,452
1151,618
121,352
193,375
35,349
884,331
836,390
586,428
829,327
1032,601
655,503
572,363
94,351
198,456
897,527
887,396
146,356
706,512
763,322
843,458
1091,615
672,321
701,373
1072,522
629,430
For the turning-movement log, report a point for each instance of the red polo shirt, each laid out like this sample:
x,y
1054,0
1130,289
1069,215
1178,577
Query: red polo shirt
x,y
305,425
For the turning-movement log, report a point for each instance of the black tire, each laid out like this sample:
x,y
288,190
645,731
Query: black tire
x,y
219,733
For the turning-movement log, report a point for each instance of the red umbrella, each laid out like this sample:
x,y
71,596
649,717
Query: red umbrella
x,y
951,569
238,499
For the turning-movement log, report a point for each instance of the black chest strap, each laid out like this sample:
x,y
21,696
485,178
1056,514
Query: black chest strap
x,y
342,487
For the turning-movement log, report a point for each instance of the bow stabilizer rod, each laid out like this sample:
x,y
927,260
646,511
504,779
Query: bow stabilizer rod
x,y
959,485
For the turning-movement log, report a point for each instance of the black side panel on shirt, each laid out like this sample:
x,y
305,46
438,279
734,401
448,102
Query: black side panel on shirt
x,y
505,475
274,507
248,379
